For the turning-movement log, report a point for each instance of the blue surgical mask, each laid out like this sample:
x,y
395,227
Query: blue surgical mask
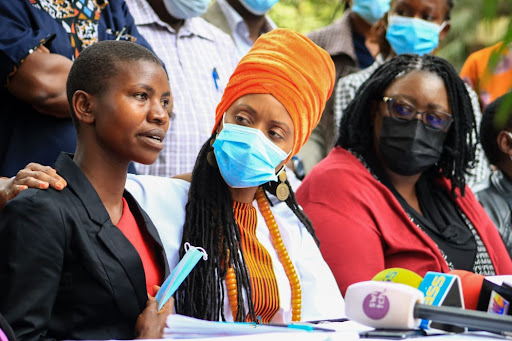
x,y
370,10
258,7
185,9
246,157
412,35
185,266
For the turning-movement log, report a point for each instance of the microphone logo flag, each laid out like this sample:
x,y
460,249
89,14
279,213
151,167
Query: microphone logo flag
x,y
498,304
376,305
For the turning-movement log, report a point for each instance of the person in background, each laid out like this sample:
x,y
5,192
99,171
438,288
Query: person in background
x,y
85,262
38,42
262,259
243,20
489,84
495,192
351,45
199,58
392,192
410,26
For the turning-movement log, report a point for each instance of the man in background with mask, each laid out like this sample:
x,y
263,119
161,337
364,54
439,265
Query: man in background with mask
x,y
410,26
199,59
243,20
349,43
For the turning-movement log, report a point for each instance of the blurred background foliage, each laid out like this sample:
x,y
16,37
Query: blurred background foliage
x,y
474,24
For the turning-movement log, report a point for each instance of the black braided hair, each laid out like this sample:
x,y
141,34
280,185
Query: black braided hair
x,y
210,223
356,128
292,203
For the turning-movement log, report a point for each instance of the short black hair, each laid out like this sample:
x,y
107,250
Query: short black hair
x,y
99,62
356,128
490,128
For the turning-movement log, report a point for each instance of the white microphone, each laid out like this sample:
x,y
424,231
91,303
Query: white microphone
x,y
397,306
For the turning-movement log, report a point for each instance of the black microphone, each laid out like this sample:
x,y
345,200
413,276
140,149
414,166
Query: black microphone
x,y
481,294
390,305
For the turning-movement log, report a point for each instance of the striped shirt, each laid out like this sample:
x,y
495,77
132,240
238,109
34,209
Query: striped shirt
x,y
199,60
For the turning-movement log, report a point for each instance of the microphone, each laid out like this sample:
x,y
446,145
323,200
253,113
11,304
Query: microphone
x,y
439,289
398,306
484,295
399,275
445,290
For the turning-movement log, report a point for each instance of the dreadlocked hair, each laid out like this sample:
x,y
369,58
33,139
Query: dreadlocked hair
x,y
356,128
292,203
210,223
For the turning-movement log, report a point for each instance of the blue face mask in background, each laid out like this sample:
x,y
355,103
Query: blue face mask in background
x,y
258,7
370,10
246,157
412,35
185,9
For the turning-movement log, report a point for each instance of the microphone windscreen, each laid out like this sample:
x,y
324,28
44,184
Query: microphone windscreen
x,y
399,275
471,287
382,304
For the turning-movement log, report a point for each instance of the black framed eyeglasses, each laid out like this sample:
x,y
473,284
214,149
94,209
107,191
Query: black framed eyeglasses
x,y
402,110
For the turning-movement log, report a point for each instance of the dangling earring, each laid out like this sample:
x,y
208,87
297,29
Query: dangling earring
x,y
282,190
210,157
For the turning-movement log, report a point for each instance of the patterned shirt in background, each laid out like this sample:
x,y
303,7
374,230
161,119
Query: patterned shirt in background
x,y
489,84
78,17
199,60
346,91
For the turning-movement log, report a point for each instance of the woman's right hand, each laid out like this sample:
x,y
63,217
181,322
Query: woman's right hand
x,y
151,323
33,175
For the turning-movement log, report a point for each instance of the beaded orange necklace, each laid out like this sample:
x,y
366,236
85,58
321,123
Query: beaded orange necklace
x,y
282,254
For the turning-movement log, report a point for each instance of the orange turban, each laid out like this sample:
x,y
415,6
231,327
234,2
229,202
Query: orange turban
x,y
294,70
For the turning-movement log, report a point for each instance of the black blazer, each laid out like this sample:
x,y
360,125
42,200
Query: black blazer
x,y
66,272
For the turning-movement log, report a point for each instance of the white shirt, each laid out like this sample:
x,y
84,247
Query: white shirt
x,y
164,201
190,57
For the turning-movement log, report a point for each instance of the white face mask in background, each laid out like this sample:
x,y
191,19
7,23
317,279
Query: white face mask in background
x,y
185,9
258,7
370,10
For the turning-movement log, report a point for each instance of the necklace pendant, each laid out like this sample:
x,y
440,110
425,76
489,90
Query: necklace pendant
x,y
282,191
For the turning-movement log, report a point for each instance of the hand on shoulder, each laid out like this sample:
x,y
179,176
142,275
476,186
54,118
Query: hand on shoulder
x,y
33,175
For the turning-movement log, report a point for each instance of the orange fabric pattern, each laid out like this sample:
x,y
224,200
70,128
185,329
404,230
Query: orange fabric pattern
x,y
265,293
294,70
489,84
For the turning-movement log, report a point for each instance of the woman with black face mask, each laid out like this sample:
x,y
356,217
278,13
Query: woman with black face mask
x,y
392,192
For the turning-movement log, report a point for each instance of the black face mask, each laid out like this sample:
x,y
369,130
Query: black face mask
x,y
408,147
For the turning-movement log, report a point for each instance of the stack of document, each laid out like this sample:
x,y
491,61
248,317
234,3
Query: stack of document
x,y
184,327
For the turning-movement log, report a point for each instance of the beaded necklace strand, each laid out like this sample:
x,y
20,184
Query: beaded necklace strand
x,y
282,254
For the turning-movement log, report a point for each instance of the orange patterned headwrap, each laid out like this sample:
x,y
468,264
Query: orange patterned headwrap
x,y
294,70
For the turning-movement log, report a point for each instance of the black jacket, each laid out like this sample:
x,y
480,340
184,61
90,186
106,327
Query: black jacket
x,y
66,272
495,195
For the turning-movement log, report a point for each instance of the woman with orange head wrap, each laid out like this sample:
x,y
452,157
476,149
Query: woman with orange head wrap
x,y
263,263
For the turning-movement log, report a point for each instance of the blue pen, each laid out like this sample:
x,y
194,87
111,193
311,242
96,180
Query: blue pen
x,y
215,76
298,326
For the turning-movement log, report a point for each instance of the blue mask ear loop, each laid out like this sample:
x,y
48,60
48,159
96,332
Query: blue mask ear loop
x,y
185,266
